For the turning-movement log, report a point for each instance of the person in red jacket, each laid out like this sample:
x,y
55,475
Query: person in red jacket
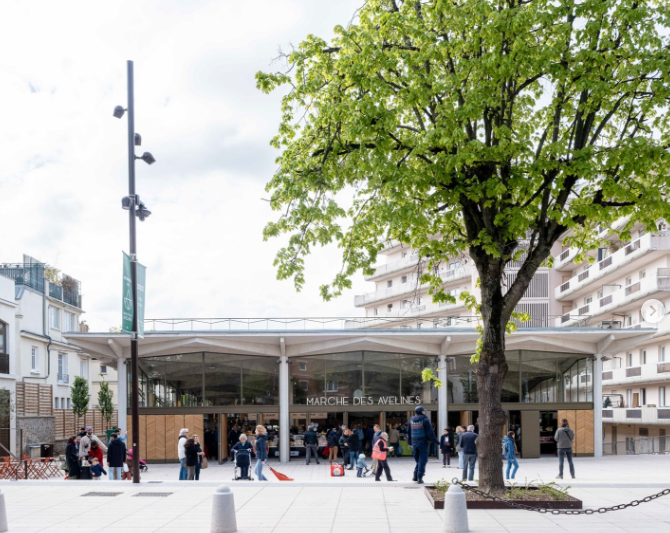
x,y
96,451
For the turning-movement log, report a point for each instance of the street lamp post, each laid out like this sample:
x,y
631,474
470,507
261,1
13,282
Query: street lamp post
x,y
135,209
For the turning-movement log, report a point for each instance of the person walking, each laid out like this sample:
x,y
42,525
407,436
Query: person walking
x,y
446,447
419,434
354,447
201,454
344,450
311,445
457,445
116,456
564,438
333,444
181,453
379,454
468,442
509,451
72,457
191,457
394,441
261,451
375,437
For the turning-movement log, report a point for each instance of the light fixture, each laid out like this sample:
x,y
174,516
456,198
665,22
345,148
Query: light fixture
x,y
142,212
119,111
147,158
126,202
138,139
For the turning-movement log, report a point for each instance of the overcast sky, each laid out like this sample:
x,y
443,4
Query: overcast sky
x,y
63,159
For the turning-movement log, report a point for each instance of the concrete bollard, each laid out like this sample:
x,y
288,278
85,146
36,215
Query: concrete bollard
x,y
455,519
223,511
3,513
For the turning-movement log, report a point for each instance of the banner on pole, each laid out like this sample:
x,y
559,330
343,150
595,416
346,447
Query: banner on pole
x,y
127,308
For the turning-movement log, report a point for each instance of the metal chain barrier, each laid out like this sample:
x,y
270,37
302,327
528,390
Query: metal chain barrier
x,y
601,510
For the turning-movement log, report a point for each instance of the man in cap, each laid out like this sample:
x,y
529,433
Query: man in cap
x,y
419,434
86,440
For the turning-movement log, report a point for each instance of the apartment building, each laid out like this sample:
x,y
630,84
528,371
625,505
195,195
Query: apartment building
x,y
605,292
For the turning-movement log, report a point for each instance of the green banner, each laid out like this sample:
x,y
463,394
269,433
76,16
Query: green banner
x,y
127,314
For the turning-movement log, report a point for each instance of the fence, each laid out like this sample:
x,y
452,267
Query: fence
x,y
34,399
638,446
67,424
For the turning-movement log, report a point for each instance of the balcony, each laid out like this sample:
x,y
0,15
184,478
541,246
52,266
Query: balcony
x,y
613,266
649,373
624,296
637,415
405,289
27,274
63,379
394,267
69,292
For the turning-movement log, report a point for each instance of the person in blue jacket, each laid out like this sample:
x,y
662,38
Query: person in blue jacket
x,y
509,447
419,435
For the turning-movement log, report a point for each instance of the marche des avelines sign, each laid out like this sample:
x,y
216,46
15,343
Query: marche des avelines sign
x,y
364,400
127,308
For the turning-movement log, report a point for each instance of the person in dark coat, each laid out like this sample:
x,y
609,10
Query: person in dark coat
x,y
116,456
419,435
243,451
72,457
367,439
354,446
333,444
447,446
191,457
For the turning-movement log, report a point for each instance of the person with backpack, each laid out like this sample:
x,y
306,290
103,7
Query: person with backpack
x,y
564,438
509,453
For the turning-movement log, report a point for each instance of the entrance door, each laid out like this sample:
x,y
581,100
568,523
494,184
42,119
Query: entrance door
x,y
530,434
365,421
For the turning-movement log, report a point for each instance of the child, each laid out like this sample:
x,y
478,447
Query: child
x,y
96,469
362,467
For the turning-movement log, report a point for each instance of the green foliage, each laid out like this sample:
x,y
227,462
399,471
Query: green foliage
x,y
442,485
554,490
80,396
105,402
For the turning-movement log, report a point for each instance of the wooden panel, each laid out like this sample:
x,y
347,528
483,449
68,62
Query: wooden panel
x,y
223,437
173,423
465,419
143,435
160,438
151,438
530,434
194,423
584,434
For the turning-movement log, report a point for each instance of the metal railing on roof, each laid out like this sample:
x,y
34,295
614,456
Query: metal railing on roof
x,y
27,274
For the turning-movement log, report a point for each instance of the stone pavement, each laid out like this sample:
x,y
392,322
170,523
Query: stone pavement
x,y
318,503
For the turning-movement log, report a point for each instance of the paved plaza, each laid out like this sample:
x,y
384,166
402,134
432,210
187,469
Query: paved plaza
x,y
318,503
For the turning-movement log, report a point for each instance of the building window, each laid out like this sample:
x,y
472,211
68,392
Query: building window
x,y
376,311
68,403
403,279
661,396
420,301
304,384
643,357
643,396
389,308
629,320
629,360
83,368
70,322
331,386
404,254
629,397
661,353
643,274
4,349
644,432
62,368
302,366
54,317
56,403
389,284
404,304
34,359
103,369
419,325
588,300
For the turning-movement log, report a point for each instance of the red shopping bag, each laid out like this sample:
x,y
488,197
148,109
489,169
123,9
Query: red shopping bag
x,y
336,471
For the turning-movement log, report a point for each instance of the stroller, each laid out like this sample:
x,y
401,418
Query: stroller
x,y
242,460
144,467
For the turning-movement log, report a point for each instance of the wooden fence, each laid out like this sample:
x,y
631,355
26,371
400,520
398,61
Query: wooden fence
x,y
34,399
67,424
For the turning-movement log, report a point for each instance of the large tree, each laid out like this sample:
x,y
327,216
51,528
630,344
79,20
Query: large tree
x,y
494,128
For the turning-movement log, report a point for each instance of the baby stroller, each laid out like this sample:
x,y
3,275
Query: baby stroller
x,y
242,461
144,467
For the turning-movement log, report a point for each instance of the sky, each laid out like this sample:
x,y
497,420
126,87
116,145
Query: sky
x,y
63,156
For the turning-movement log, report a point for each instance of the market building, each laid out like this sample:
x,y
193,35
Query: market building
x,y
286,377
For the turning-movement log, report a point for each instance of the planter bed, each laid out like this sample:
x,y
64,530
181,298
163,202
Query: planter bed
x,y
539,501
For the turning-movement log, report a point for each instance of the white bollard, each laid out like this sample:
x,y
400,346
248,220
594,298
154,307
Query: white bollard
x,y
3,513
223,511
455,519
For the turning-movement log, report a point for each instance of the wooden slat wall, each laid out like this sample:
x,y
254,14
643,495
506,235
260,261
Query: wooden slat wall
x,y
160,441
67,424
34,399
581,423
159,434
173,423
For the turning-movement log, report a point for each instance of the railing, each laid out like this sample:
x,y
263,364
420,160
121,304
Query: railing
x,y
68,294
662,368
63,378
583,276
28,274
56,291
638,446
634,372
631,289
564,255
605,263
565,286
400,264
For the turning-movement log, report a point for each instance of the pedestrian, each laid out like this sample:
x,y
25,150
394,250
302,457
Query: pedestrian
x,y
354,447
127,473
311,445
468,442
243,456
87,439
458,447
201,453
564,438
116,456
344,450
118,434
333,444
380,452
368,437
361,465
191,457
375,437
261,450
72,457
419,434
394,441
509,453
233,437
181,453
96,469
96,452
446,447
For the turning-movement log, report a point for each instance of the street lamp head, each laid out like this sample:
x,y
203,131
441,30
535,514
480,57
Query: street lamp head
x,y
138,139
119,111
148,158
126,202
142,212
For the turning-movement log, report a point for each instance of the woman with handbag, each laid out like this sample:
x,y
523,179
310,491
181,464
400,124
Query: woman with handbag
x,y
201,458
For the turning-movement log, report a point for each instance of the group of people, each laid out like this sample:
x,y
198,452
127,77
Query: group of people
x,y
85,450
243,449
191,456
464,443
353,450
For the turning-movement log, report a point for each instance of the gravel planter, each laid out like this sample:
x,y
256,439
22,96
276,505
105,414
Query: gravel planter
x,y
569,503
